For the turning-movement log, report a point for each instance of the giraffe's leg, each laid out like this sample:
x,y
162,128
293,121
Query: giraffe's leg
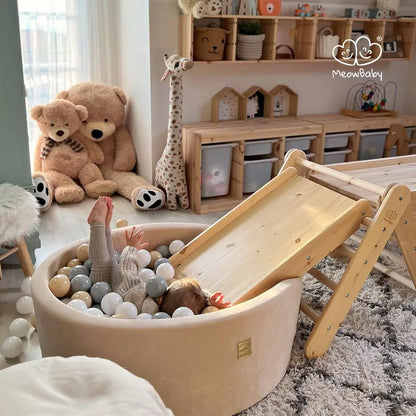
x,y
171,202
183,198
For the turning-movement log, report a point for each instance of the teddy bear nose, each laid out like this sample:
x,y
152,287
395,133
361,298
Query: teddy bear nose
x,y
60,133
97,134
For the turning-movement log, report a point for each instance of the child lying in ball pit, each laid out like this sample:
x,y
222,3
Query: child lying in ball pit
x,y
124,278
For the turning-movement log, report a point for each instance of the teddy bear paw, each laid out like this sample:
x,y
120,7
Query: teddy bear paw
x,y
148,199
199,9
69,194
100,187
42,193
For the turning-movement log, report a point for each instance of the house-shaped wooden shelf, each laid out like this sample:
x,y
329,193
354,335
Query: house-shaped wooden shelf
x,y
228,104
259,102
284,101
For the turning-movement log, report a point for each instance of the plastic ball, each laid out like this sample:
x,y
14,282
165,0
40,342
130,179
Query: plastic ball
x,y
64,270
59,285
166,270
24,305
88,264
74,262
182,311
145,275
19,327
78,305
161,315
80,282
175,246
144,316
163,250
25,286
120,223
99,290
12,347
82,252
84,296
80,269
210,309
3,362
154,257
161,261
65,301
110,302
143,257
94,312
127,309
96,306
156,286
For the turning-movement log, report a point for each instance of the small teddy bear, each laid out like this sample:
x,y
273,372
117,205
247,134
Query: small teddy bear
x,y
200,7
59,159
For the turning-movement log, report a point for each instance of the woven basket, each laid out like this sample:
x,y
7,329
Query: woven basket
x,y
249,47
325,43
388,5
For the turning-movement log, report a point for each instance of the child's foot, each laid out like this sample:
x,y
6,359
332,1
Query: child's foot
x,y
98,212
110,208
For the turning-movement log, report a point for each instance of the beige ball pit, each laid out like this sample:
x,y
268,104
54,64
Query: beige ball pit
x,y
212,364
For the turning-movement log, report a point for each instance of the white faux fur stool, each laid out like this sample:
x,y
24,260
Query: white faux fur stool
x,y
19,218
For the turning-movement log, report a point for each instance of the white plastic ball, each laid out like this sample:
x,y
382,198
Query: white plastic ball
x,y
109,303
143,257
78,305
19,327
182,311
175,246
12,347
94,312
127,309
3,362
25,286
24,305
144,316
166,270
145,275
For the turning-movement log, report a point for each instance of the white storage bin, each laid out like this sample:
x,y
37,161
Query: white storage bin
x,y
336,156
298,142
372,144
257,173
259,147
216,168
334,140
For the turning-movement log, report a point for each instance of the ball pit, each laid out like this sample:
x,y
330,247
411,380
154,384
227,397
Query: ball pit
x,y
215,363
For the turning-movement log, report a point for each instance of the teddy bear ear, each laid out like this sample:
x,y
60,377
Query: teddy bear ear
x,y
36,112
82,112
120,94
62,94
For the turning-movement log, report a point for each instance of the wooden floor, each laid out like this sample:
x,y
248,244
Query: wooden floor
x,y
59,226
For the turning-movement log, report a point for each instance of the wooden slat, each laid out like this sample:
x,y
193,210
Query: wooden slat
x,y
308,311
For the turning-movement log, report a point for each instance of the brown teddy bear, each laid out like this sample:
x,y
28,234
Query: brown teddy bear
x,y
59,159
106,110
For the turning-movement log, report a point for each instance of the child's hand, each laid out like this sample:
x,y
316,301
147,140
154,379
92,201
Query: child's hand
x,y
133,240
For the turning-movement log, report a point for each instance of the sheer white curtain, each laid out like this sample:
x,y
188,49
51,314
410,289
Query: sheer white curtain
x,y
65,42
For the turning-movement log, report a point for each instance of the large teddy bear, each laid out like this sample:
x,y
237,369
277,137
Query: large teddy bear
x,y
60,159
106,110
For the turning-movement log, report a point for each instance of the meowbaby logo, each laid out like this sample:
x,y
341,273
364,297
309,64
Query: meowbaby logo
x,y
360,52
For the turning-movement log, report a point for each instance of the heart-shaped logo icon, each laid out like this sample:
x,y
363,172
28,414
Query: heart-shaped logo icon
x,y
360,52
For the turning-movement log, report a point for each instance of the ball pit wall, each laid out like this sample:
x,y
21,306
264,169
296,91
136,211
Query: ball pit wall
x,y
193,362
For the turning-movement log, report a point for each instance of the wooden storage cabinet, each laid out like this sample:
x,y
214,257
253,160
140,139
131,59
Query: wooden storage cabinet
x,y
300,34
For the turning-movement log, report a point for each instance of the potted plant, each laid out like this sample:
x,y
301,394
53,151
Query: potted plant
x,y
250,39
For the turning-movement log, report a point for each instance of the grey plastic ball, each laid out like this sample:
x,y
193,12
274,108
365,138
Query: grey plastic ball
x,y
77,270
80,282
156,286
163,250
159,262
161,315
88,264
99,290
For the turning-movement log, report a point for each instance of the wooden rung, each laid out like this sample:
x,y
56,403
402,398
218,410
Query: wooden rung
x,y
322,278
8,253
308,311
367,221
379,190
394,275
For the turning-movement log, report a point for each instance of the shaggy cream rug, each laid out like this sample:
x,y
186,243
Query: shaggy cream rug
x,y
370,368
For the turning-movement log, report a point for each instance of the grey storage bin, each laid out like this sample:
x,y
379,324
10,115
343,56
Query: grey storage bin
x,y
259,147
372,144
216,168
298,142
257,173
336,156
334,140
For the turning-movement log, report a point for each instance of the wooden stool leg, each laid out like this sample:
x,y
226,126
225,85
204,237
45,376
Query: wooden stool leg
x,y
24,258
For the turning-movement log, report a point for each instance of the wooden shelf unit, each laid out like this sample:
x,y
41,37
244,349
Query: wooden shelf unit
x,y
239,131
299,33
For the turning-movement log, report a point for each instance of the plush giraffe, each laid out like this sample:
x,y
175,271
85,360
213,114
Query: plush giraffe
x,y
170,168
